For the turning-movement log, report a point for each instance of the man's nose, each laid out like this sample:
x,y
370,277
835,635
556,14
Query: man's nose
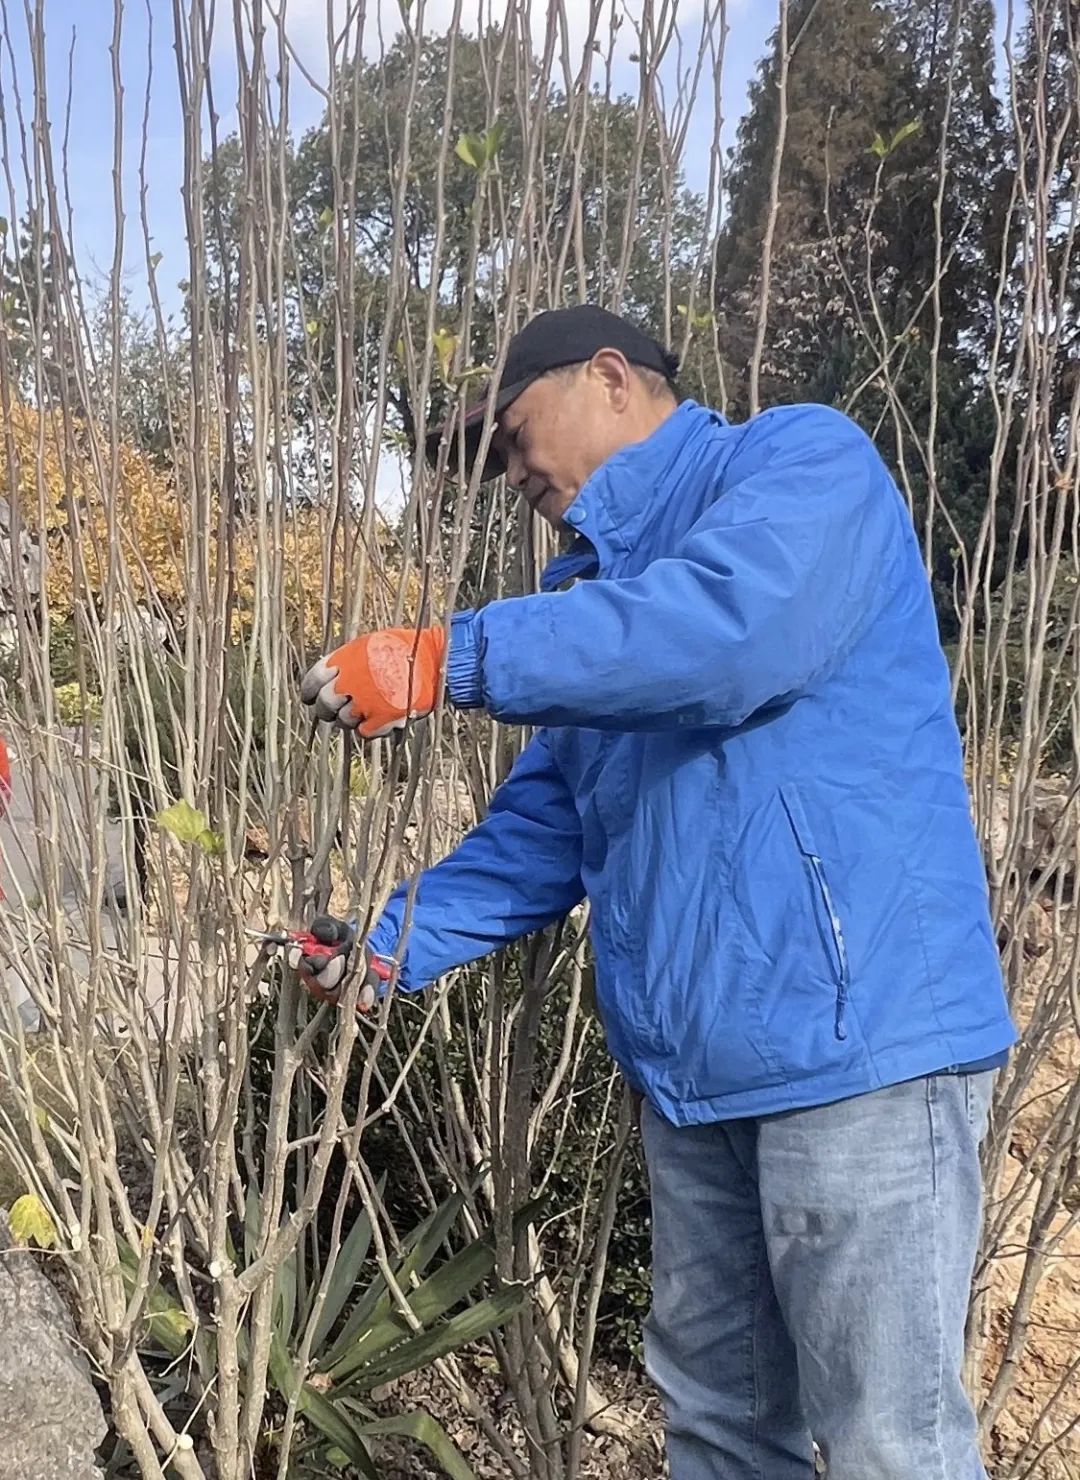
x,y
515,472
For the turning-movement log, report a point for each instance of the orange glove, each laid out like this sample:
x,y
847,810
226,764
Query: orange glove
x,y
378,682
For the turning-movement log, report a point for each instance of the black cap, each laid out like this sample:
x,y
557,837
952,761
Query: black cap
x,y
564,336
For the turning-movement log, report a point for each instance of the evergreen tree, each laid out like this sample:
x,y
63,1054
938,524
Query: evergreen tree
x,y
1048,148
878,94
837,99
31,310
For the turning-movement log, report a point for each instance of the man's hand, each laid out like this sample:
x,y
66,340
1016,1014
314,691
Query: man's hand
x,y
324,972
378,682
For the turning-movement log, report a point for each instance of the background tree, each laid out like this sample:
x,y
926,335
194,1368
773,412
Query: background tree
x,y
887,243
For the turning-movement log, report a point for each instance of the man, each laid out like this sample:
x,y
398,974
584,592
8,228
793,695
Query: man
x,y
747,760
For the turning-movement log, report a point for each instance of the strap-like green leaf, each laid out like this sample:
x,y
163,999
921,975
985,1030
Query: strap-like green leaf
x,y
426,1431
284,1304
440,1292
252,1222
347,1267
427,1346
167,1322
321,1412
376,1302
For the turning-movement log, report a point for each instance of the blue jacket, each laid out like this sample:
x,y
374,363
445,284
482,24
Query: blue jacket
x,y
748,762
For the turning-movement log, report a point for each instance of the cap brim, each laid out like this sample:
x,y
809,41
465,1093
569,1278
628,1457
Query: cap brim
x,y
494,467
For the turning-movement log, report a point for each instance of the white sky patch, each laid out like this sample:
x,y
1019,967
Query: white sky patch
x,y
305,25
392,482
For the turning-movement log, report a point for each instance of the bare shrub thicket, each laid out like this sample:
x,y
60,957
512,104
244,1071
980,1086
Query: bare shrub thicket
x,y
201,1135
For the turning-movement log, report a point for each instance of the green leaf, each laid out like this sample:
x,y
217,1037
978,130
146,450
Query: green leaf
x,y
478,150
211,842
30,1219
449,1336
492,139
879,147
905,131
470,150
167,1323
347,1267
440,1292
3,226
324,1415
703,319
445,344
376,1303
311,328
188,825
426,1431
281,1367
285,1298
252,1222
185,822
326,216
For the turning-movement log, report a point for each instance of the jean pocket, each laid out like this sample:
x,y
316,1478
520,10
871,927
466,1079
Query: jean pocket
x,y
829,914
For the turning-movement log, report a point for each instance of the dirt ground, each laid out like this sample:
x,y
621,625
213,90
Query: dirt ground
x,y
603,1457
1037,1436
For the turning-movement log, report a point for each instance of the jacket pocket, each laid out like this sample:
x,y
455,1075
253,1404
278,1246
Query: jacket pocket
x,y
833,928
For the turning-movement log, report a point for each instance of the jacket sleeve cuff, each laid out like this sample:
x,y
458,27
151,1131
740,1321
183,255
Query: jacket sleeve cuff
x,y
383,941
464,663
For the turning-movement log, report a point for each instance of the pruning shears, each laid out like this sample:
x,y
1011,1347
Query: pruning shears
x,y
329,938
301,940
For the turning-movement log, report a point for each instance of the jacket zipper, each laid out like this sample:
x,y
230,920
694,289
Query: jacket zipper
x,y
843,980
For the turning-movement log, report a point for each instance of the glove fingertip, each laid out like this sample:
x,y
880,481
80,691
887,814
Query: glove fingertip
x,y
329,930
318,677
332,973
329,703
378,731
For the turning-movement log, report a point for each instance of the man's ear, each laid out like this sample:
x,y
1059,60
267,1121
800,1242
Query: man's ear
x,y
612,369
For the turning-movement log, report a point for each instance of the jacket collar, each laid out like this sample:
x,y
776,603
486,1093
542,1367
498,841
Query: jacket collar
x,y
627,494
578,563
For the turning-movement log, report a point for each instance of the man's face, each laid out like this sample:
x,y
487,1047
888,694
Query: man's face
x,y
557,433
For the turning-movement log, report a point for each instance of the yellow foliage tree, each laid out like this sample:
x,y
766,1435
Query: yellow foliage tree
x,y
66,509
49,468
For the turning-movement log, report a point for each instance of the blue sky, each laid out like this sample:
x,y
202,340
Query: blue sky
x,y
80,31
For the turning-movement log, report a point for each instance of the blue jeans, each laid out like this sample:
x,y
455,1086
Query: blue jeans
x,y
811,1276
